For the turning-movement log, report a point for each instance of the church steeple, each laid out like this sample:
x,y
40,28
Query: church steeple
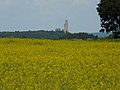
x,y
66,26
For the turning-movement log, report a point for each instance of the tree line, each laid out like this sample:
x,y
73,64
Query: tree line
x,y
42,34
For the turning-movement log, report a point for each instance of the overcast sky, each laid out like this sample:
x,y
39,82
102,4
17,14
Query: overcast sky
x,y
49,14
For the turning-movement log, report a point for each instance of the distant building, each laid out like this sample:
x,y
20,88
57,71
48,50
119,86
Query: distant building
x,y
57,29
66,26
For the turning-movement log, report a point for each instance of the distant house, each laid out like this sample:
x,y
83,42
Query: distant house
x,y
57,29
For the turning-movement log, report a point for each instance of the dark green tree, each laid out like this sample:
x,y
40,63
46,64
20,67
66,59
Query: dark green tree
x,y
109,12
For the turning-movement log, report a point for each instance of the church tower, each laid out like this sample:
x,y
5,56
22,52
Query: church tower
x,y
66,26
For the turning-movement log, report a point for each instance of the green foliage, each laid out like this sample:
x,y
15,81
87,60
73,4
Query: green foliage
x,y
46,35
111,36
33,34
33,64
81,35
109,12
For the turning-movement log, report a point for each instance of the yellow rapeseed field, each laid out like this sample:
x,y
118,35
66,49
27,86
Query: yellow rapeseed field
x,y
33,64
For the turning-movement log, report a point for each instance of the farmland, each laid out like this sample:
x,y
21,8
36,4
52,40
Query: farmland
x,y
36,64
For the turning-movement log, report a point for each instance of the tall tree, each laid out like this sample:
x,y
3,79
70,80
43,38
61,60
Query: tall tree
x,y
109,12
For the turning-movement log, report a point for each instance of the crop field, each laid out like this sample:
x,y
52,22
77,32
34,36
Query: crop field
x,y
36,64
